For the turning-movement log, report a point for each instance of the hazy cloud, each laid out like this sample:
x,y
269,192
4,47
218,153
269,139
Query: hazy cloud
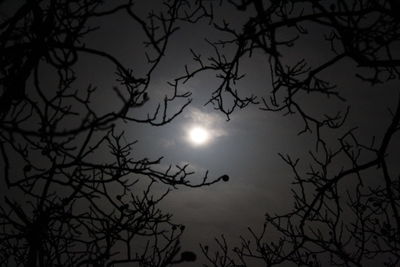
x,y
213,122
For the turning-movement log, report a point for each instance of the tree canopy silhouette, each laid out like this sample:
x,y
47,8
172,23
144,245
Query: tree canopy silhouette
x,y
73,192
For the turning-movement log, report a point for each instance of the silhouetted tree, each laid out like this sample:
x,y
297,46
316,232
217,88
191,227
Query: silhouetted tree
x,y
73,193
340,217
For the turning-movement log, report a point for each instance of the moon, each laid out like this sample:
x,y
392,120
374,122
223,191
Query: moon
x,y
198,135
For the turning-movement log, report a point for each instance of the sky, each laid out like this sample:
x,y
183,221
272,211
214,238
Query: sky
x,y
246,147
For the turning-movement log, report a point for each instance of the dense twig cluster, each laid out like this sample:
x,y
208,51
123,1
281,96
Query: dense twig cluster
x,y
73,193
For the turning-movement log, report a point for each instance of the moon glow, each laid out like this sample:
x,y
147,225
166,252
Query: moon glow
x,y
198,135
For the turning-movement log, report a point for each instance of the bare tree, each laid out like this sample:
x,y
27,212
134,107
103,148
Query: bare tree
x,y
339,217
73,192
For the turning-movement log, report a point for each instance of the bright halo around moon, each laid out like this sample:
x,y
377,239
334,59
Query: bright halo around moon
x,y
198,135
